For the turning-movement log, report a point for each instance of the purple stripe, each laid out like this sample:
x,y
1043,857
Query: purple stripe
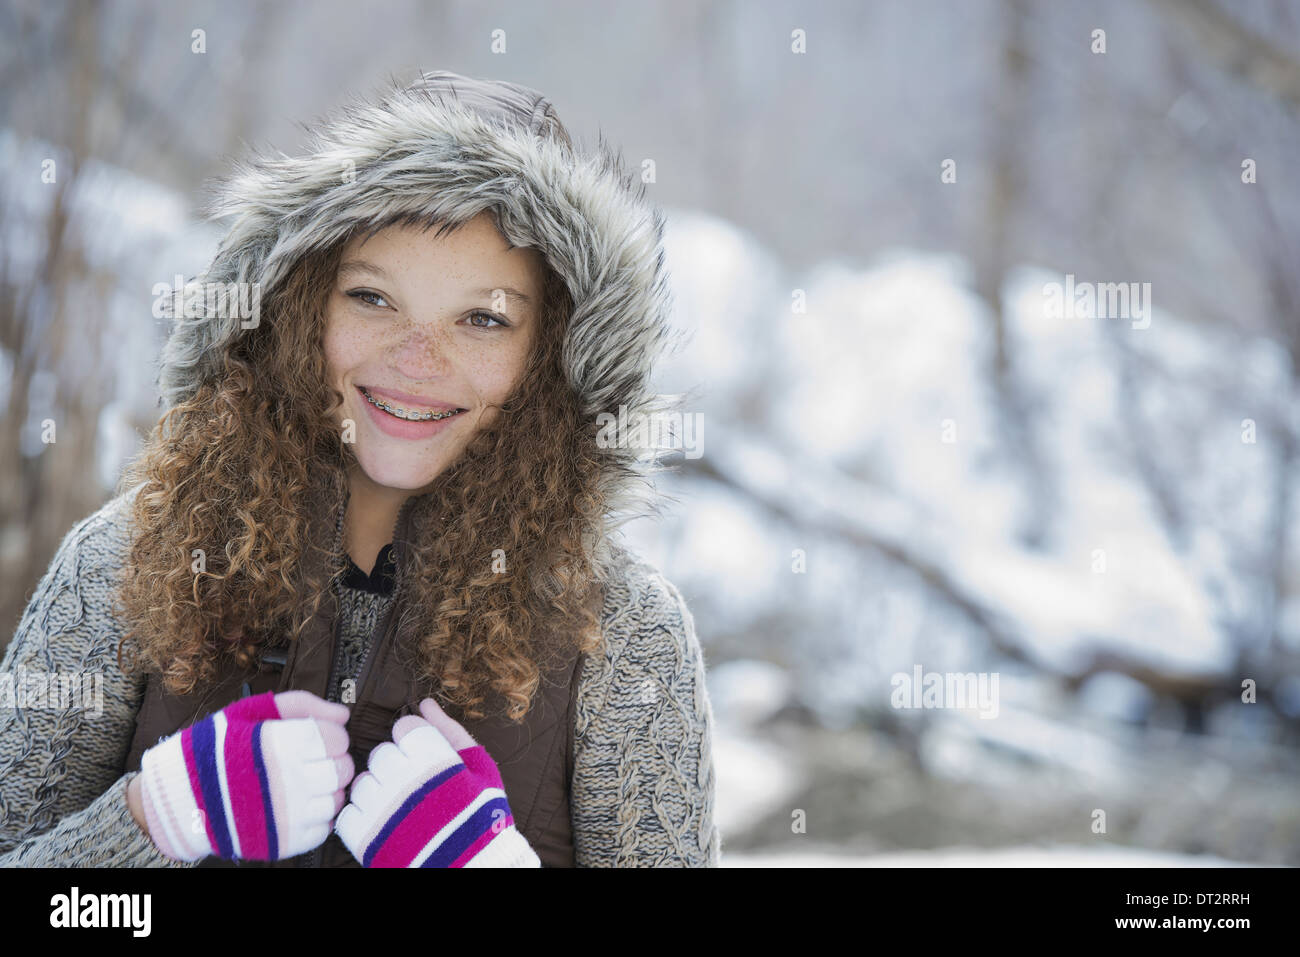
x,y
273,840
205,756
479,823
407,807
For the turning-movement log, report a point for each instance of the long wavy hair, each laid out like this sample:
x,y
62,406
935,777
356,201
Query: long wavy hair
x,y
240,470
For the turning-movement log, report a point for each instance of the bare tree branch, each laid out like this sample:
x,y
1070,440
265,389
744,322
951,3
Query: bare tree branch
x,y
826,517
1239,52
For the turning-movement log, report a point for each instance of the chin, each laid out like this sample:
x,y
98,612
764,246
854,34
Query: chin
x,y
395,476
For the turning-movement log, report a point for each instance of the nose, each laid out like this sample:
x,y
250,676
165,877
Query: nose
x,y
422,354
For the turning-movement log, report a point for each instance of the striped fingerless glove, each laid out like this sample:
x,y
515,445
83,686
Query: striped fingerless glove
x,y
424,804
249,781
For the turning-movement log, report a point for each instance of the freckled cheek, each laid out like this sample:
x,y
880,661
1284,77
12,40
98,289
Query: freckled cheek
x,y
495,373
344,350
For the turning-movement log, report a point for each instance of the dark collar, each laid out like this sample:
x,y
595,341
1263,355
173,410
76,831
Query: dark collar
x,y
380,580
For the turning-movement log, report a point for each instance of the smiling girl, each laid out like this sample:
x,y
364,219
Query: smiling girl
x,y
375,532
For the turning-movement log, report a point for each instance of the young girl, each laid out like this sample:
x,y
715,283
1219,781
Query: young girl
x,y
358,601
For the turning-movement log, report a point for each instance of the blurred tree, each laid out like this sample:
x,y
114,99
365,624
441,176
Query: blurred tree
x,y
89,93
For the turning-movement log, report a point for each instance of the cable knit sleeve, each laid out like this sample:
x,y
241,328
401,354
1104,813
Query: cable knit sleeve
x,y
643,778
62,786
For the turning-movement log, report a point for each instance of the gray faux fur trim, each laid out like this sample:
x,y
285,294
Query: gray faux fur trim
x,y
416,152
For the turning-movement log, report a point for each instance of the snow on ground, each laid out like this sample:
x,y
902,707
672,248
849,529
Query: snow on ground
x,y
1057,856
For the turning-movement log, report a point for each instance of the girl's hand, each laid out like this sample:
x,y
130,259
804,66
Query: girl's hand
x,y
432,797
261,779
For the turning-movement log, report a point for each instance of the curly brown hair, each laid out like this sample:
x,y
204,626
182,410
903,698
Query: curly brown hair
x,y
238,471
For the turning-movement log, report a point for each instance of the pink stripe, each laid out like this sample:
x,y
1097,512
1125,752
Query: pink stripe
x,y
187,748
426,819
482,841
258,707
481,764
245,791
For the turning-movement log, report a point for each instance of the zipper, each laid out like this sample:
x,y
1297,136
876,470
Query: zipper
x,y
390,626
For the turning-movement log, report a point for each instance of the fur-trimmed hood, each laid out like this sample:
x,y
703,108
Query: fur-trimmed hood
x,y
421,149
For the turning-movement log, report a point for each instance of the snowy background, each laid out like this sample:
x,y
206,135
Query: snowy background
x,y
908,461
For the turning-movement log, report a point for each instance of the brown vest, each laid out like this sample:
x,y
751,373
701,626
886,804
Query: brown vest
x,y
535,758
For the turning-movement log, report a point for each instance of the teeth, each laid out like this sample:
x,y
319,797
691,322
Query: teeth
x,y
405,414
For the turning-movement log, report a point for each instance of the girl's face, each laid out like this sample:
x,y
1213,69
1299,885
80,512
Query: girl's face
x,y
424,325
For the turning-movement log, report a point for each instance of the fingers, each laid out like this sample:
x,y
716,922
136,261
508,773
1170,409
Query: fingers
x,y
426,747
320,811
367,795
300,744
392,768
304,704
456,735
390,765
345,767
311,837
334,735
342,769
406,725
350,826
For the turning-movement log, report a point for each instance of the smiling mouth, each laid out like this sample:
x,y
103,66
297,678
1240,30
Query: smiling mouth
x,y
407,414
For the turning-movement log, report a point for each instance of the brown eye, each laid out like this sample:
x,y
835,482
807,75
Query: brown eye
x,y
487,315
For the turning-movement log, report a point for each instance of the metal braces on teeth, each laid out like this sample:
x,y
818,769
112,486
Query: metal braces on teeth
x,y
410,416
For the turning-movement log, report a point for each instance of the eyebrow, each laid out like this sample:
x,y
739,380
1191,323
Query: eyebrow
x,y
362,265
506,291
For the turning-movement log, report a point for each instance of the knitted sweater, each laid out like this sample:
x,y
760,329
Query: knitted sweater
x,y
643,779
